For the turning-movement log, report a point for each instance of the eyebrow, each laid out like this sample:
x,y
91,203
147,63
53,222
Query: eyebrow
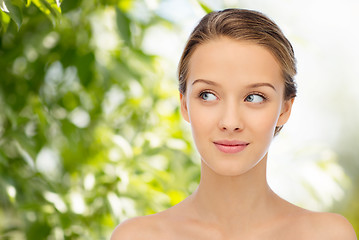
x,y
254,85
205,81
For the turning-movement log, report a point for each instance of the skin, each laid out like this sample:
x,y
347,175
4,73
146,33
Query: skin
x,y
240,99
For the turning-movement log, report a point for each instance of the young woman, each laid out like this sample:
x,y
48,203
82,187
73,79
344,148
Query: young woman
x,y
236,91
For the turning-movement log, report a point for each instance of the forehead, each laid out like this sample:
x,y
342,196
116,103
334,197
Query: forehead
x,y
225,59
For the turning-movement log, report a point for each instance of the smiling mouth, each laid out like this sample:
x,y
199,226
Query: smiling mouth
x,y
230,146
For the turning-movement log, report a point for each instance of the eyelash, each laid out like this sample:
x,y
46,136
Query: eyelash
x,y
205,91
259,94
252,93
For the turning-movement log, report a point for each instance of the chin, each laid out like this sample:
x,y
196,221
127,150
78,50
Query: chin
x,y
230,168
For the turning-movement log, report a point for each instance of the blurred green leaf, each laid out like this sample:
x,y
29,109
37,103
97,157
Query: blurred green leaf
x,y
123,25
204,7
50,9
125,5
5,20
15,11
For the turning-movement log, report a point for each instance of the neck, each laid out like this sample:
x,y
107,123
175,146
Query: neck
x,y
226,200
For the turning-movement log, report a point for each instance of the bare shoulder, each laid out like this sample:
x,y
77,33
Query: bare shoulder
x,y
334,226
300,223
162,225
138,228
328,226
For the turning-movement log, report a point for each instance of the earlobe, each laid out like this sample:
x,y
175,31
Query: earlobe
x,y
184,109
285,112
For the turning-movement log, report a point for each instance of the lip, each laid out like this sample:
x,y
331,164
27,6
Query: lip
x,y
230,146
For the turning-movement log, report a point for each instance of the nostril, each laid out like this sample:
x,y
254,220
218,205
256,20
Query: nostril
x,y
230,125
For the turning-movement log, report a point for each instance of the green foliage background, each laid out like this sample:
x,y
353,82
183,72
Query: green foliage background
x,y
84,126
52,72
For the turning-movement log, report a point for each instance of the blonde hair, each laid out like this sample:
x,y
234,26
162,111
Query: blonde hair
x,y
244,25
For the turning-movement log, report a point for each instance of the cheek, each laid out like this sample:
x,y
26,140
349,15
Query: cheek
x,y
264,120
202,118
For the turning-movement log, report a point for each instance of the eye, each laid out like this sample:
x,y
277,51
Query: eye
x,y
255,98
207,96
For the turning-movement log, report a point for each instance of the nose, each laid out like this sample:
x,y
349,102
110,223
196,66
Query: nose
x,y
230,119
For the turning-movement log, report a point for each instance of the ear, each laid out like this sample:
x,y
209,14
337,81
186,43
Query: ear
x,y
184,109
285,112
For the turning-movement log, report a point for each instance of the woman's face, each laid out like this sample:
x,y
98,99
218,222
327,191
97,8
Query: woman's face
x,y
234,101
